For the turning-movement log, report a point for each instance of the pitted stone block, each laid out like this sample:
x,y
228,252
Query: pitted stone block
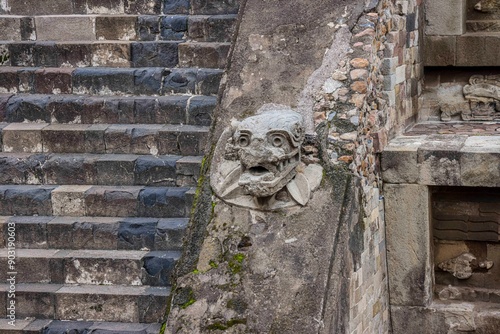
x,y
23,137
112,201
160,54
121,28
163,202
69,200
137,233
211,55
115,169
158,268
156,170
64,138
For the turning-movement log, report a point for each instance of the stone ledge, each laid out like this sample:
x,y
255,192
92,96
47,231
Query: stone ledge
x,y
446,317
443,160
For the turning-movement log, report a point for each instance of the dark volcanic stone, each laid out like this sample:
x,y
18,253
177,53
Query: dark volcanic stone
x,y
174,27
201,109
136,233
159,54
162,202
159,267
156,170
175,6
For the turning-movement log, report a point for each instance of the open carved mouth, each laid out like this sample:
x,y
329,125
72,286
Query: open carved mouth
x,y
258,170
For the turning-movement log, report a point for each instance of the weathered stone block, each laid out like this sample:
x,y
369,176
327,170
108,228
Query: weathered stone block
x,y
151,304
23,137
192,140
69,200
103,81
21,54
148,81
473,50
65,28
10,28
148,28
46,54
53,81
174,27
99,7
180,81
36,300
65,109
143,7
111,54
408,223
137,233
115,169
94,138
145,109
208,81
445,17
103,267
439,160
159,54
201,109
169,233
9,81
172,109
144,140
43,7
114,110
399,160
25,200
28,31
15,169
112,201
200,7
69,169
211,55
29,108
97,110
175,6
98,303
31,232
155,170
122,28
64,138
82,233
74,54
480,162
158,268
217,28
162,202
440,50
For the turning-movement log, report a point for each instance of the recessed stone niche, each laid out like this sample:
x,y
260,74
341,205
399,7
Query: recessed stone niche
x,y
461,94
466,233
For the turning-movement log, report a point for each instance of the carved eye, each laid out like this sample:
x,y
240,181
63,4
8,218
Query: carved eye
x,y
277,140
244,140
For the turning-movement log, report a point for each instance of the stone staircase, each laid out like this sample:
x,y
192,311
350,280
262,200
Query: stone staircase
x,y
105,108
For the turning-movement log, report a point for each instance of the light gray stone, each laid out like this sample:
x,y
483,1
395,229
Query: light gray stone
x,y
445,17
65,28
399,160
408,244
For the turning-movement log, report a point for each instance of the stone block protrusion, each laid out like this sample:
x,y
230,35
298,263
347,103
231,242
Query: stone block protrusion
x,y
445,17
69,28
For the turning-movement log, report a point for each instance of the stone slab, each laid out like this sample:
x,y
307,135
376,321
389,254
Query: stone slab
x,y
408,236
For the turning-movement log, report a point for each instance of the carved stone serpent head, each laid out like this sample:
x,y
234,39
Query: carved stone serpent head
x,y
268,148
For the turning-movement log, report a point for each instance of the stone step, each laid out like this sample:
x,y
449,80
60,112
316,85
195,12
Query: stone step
x,y
99,169
94,201
105,81
121,54
46,326
89,109
207,28
185,140
88,302
97,267
203,54
149,7
104,233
